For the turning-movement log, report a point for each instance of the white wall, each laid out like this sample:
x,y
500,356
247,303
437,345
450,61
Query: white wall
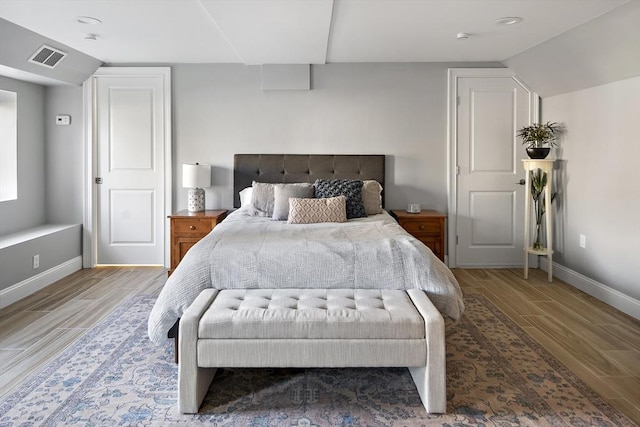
x,y
395,109
599,183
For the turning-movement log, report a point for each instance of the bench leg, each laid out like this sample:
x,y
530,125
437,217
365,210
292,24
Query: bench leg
x,y
431,391
430,379
193,381
193,388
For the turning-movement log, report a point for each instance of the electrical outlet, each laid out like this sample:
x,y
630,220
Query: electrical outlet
x,y
36,261
583,241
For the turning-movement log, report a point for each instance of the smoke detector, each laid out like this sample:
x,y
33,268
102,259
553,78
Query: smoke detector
x,y
47,56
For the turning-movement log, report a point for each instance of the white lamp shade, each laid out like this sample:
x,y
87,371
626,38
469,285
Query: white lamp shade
x,y
196,176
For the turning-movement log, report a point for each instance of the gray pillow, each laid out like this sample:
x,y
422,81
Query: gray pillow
x,y
282,193
262,198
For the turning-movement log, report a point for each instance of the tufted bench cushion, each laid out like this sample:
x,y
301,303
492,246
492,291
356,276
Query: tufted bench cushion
x,y
311,328
312,313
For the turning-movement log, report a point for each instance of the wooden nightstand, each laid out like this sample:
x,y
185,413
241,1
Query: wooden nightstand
x,y
187,228
426,226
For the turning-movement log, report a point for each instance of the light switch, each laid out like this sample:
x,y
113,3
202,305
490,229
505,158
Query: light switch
x,y
63,120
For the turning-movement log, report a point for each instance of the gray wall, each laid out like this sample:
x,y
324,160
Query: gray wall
x,y
29,209
54,249
50,158
64,156
588,80
599,183
17,44
604,50
395,109
50,168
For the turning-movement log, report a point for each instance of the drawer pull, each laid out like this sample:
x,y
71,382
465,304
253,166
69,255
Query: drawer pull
x,y
421,227
192,227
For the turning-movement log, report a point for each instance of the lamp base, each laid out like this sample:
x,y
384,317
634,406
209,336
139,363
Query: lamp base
x,y
195,200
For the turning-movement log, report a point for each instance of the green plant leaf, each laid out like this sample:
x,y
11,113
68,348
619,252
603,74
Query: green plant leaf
x,y
539,135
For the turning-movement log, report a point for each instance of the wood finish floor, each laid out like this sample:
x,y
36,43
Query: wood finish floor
x,y
598,343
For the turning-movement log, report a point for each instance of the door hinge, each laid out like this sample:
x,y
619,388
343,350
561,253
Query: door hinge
x,y
457,170
98,180
456,239
457,100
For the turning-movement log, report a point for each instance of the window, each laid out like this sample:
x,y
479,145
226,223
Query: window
x,y
8,145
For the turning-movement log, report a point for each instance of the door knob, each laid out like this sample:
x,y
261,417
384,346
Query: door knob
x,y
521,182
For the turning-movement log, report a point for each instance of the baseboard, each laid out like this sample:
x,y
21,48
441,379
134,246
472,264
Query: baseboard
x,y
34,284
614,298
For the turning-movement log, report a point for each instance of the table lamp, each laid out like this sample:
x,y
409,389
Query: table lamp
x,y
195,177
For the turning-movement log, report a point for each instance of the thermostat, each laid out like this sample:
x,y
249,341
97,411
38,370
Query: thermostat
x,y
63,120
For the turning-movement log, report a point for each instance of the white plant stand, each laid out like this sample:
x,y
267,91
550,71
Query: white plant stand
x,y
546,165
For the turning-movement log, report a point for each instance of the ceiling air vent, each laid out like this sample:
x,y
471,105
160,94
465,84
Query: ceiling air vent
x,y
47,56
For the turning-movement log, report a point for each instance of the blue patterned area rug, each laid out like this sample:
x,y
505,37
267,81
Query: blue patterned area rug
x,y
497,375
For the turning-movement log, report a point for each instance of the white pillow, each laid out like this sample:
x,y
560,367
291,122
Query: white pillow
x,y
245,197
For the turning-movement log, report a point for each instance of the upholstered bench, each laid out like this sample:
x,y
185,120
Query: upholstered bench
x,y
311,328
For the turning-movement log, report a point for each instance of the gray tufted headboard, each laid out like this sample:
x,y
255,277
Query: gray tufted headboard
x,y
285,168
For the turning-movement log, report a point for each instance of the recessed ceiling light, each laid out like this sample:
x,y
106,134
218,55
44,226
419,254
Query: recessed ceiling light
x,y
88,20
509,20
462,36
91,37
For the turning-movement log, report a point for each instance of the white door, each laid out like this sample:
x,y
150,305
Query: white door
x,y
130,169
489,201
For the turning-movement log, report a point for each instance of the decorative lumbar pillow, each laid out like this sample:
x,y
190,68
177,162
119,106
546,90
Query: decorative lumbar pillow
x,y
262,198
372,197
350,188
312,211
282,193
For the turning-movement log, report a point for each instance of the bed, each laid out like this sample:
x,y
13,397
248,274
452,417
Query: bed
x,y
252,251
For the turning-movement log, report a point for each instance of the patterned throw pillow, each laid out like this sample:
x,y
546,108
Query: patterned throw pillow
x,y
350,188
313,211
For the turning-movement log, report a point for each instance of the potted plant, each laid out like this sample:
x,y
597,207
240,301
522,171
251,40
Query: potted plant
x,y
539,138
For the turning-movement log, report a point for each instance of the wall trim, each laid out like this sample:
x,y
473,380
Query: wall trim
x,y
604,293
35,283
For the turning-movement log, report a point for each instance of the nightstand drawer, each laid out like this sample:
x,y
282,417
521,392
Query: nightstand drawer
x,y
433,243
427,226
422,227
195,227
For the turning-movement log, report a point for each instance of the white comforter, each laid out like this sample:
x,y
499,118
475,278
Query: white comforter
x,y
245,251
